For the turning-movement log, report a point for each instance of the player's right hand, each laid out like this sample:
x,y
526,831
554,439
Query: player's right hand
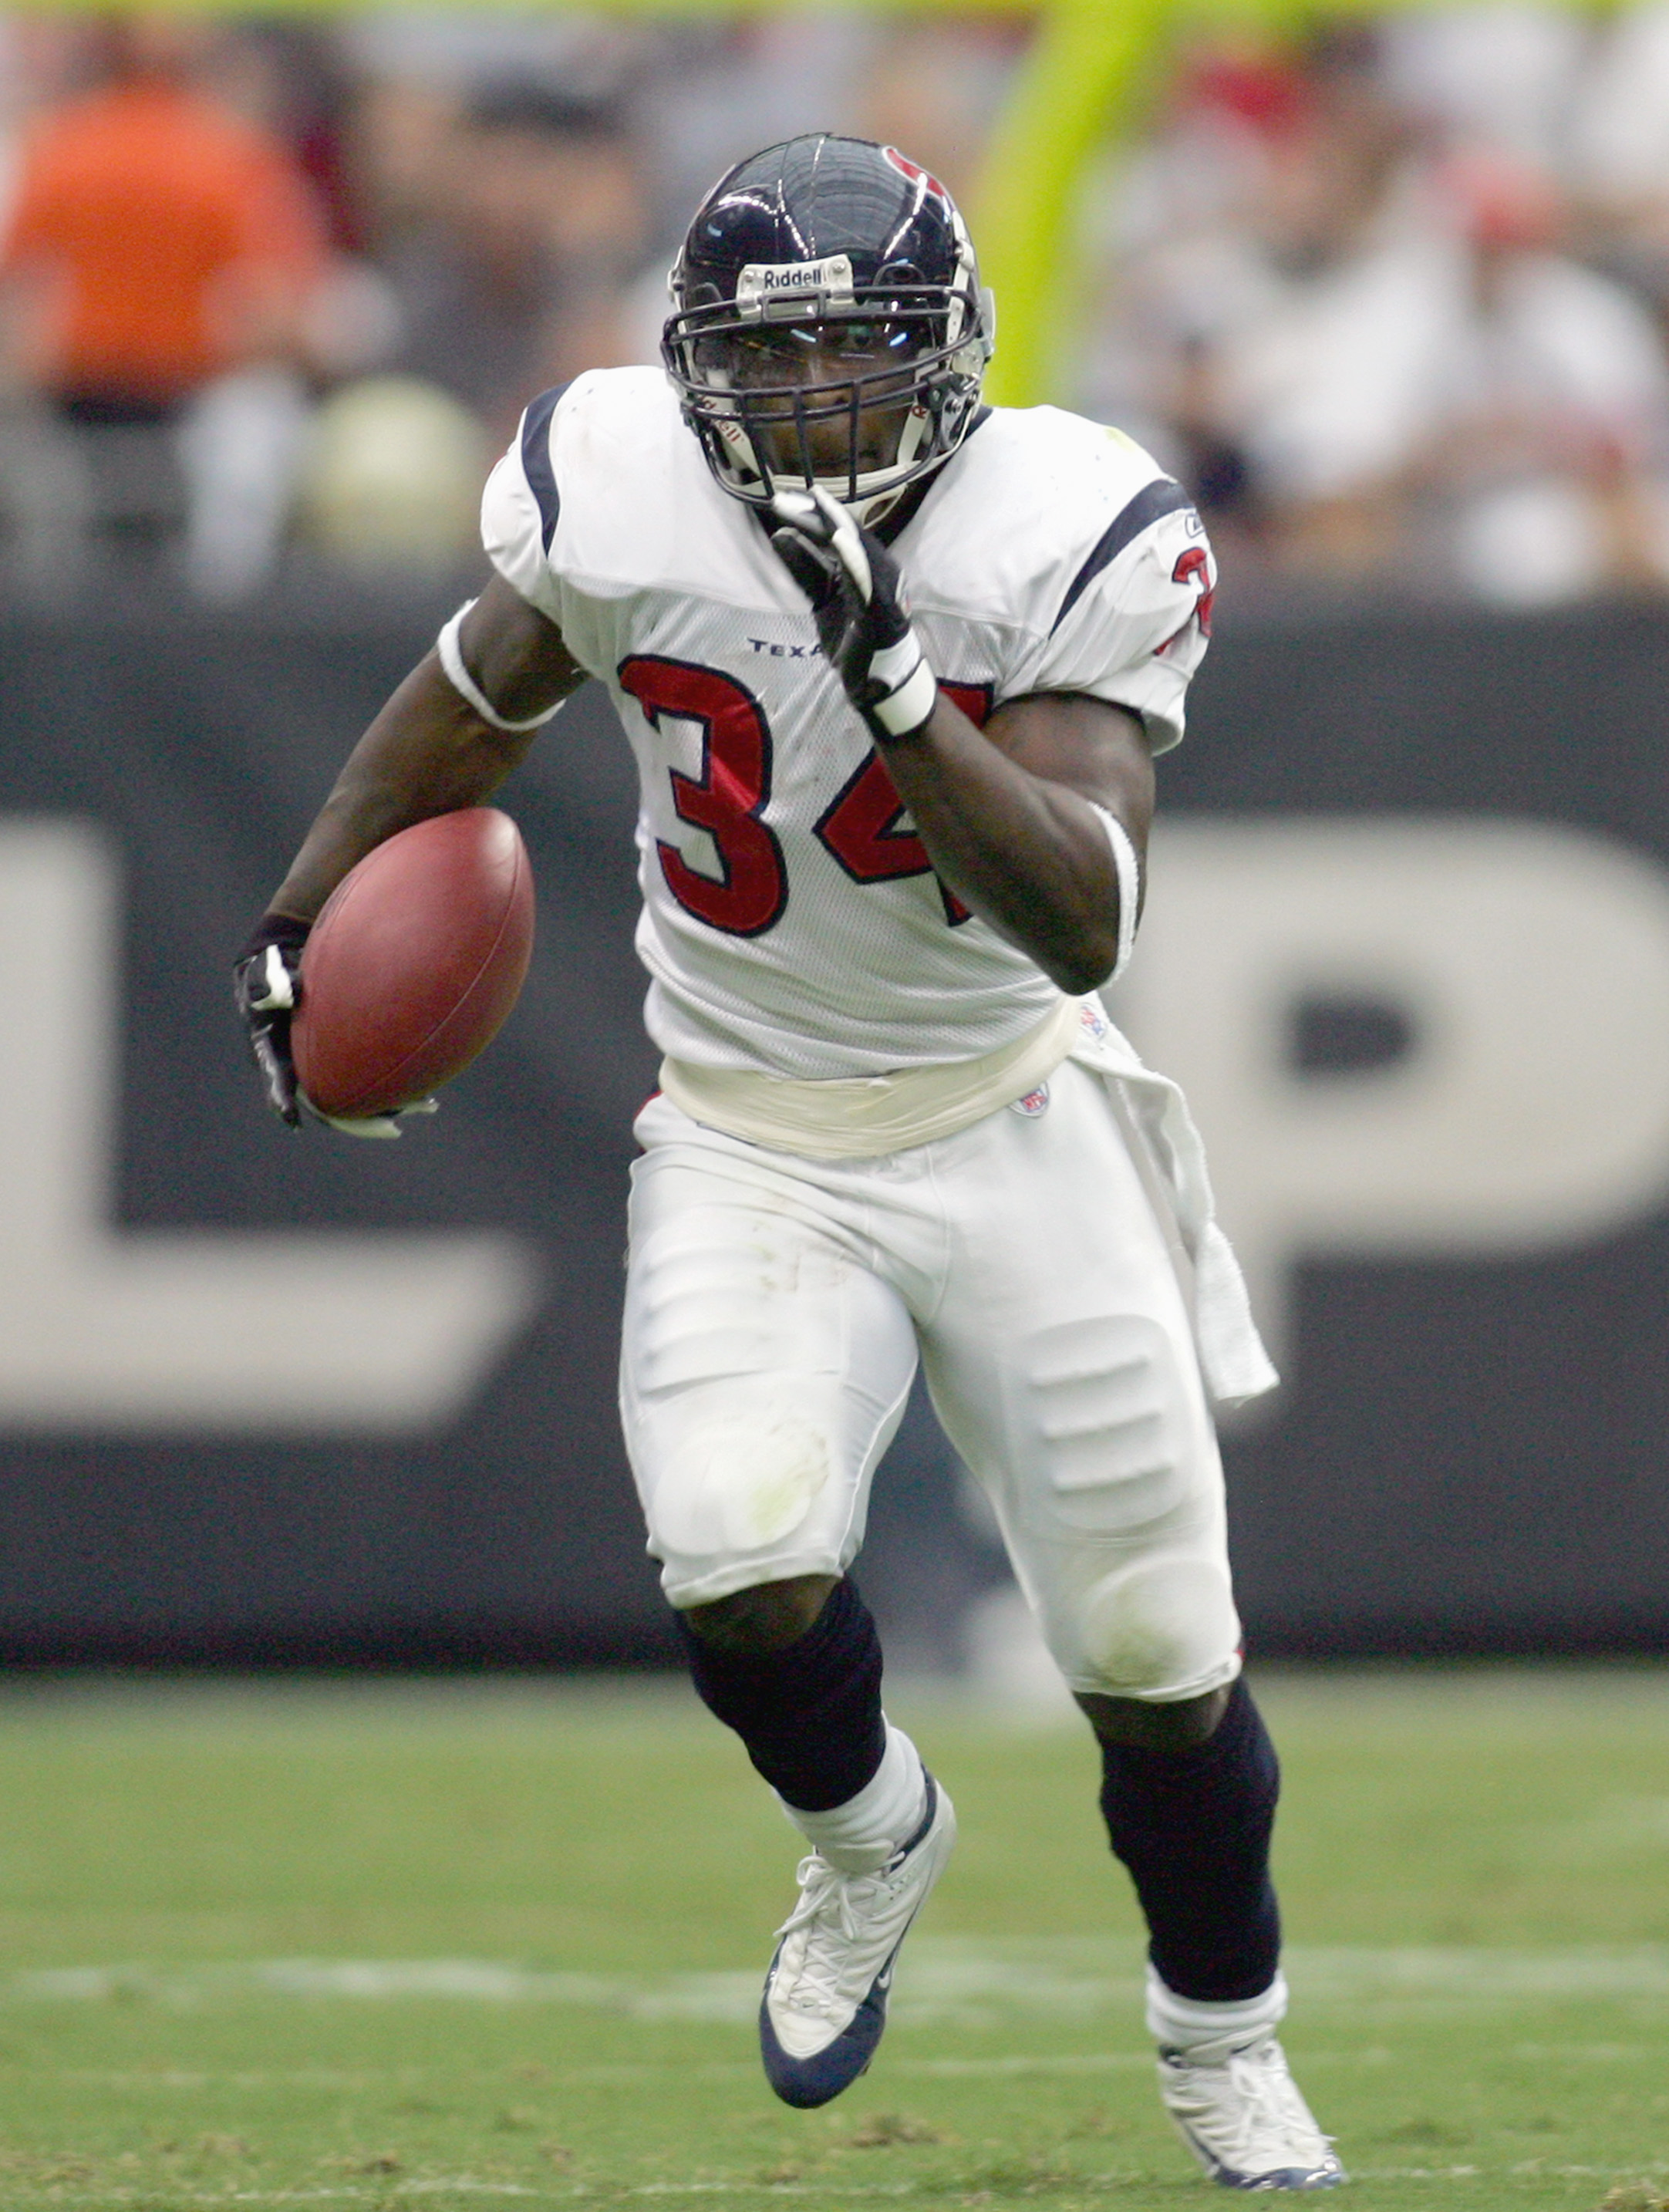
x,y
266,987
857,597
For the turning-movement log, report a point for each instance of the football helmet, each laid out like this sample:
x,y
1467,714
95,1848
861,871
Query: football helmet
x,y
828,324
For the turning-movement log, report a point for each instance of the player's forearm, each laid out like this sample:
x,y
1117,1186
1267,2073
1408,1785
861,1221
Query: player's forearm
x,y
1029,856
426,753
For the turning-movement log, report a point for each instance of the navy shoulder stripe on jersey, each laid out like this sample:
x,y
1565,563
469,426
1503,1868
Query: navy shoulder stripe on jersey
x,y
1164,496
536,459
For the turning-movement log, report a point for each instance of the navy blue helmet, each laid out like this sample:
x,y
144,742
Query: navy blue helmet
x,y
830,325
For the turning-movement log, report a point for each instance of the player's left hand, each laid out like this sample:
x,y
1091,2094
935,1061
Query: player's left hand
x,y
266,986
856,595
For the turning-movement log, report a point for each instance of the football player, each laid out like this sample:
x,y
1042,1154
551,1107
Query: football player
x,y
894,666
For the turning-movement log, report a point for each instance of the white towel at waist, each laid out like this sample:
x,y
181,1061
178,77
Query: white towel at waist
x,y
1232,1357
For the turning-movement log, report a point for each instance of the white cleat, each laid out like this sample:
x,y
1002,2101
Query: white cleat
x,y
825,2003
1240,2113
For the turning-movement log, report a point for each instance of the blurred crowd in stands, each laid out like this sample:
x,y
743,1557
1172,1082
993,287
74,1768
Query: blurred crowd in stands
x,y
275,290
1393,298
1394,301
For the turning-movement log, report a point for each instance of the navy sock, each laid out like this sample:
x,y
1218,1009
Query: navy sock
x,y
1193,1828
809,1715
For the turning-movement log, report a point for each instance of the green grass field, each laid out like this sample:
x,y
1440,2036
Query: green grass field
x,y
403,1946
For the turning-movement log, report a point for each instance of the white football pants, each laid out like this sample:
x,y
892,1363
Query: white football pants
x,y
775,1309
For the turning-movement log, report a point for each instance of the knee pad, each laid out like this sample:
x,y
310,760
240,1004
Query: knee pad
x,y
1163,1627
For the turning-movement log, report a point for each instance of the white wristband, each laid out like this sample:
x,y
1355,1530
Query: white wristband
x,y
1130,886
908,707
452,660
894,665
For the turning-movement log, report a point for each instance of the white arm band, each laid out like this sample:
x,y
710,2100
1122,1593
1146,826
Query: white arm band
x,y
912,688
1130,887
452,660
908,706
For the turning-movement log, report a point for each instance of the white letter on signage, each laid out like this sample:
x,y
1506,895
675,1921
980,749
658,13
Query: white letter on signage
x,y
1531,963
146,1331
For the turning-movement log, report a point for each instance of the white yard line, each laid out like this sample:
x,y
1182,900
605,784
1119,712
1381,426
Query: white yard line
x,y
773,2189
467,2186
459,2186
942,1980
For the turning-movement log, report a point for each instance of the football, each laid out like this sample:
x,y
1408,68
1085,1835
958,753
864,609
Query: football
x,y
416,961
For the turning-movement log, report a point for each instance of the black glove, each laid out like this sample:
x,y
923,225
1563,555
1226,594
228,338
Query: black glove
x,y
856,595
266,985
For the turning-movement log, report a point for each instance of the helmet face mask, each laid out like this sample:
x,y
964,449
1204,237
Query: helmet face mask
x,y
858,369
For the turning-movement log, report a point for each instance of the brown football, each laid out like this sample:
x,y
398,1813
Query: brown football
x,y
416,961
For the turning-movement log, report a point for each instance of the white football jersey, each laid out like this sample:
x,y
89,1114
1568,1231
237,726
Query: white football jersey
x,y
791,922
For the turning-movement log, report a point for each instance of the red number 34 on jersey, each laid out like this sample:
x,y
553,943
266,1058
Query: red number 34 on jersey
x,y
861,828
